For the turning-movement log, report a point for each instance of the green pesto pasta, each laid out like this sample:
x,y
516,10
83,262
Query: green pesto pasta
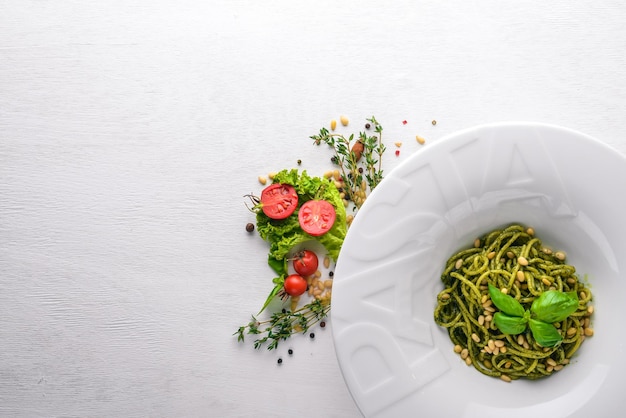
x,y
515,261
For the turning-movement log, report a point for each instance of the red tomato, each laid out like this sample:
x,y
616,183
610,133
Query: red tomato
x,y
278,201
295,285
316,217
305,262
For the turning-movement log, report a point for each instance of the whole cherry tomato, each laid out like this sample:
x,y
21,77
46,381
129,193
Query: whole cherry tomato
x,y
295,285
305,262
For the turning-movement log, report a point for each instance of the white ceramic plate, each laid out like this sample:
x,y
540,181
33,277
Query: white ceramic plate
x,y
396,361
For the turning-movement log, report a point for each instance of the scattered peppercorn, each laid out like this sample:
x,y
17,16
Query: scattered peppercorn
x,y
367,126
312,335
280,360
331,274
299,162
322,324
334,160
284,310
290,351
249,227
361,170
434,122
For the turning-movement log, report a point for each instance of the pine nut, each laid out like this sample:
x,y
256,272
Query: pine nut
x,y
551,362
522,261
570,331
336,175
488,302
571,280
505,378
491,255
520,276
550,369
328,283
510,254
520,339
583,295
445,296
487,364
398,144
504,290
487,350
488,318
458,264
458,349
558,367
546,250
530,231
420,140
317,292
477,243
464,353
491,344
320,285
481,320
333,125
468,361
262,180
526,345
344,120
490,309
503,349
499,343
475,337
590,309
318,274
328,174
507,365
560,255
546,281
484,299
326,262
496,351
588,332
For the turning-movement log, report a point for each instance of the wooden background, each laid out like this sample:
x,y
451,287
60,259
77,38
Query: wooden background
x,y
129,131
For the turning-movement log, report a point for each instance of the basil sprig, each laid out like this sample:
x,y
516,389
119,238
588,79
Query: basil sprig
x,y
550,307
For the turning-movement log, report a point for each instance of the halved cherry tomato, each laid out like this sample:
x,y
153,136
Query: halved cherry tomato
x,y
295,285
316,217
278,201
305,262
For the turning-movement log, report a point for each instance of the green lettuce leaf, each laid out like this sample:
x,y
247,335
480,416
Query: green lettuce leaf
x,y
284,234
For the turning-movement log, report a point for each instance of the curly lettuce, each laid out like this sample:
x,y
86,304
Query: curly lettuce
x,y
284,234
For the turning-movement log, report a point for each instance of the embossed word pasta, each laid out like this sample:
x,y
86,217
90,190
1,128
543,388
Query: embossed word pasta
x,y
515,262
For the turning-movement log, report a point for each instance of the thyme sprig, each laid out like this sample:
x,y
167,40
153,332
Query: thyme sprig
x,y
359,170
282,325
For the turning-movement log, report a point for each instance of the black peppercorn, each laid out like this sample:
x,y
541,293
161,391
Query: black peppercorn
x,y
249,227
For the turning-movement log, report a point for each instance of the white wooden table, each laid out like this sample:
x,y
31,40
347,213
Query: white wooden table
x,y
130,130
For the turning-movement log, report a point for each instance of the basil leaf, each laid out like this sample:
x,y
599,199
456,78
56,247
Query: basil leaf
x,y
507,304
554,306
545,334
511,325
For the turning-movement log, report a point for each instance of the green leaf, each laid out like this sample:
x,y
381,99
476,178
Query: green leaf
x,y
277,288
511,325
545,334
554,306
507,304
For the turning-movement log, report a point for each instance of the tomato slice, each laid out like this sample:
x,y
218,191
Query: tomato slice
x,y
316,217
278,201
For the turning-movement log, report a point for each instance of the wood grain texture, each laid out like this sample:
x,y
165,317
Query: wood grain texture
x,y
129,131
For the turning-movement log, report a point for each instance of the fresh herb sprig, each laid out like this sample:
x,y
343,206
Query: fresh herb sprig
x,y
284,324
359,159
